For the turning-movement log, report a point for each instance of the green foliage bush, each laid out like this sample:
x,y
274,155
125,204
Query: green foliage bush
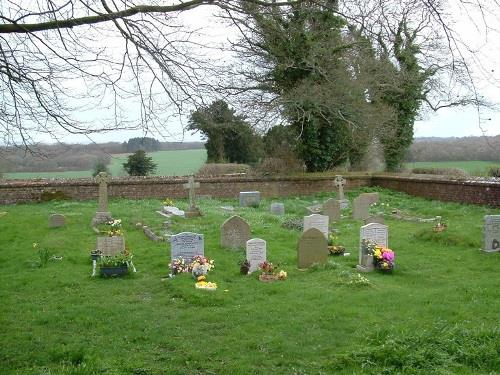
x,y
100,166
138,164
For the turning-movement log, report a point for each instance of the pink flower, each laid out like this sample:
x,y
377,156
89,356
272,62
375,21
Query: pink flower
x,y
388,256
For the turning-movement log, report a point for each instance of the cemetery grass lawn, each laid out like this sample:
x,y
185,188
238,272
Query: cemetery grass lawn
x,y
437,314
474,168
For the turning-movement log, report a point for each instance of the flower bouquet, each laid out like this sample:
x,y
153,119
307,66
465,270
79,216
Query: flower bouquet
x,y
178,265
269,273
383,259
200,266
332,247
203,284
114,228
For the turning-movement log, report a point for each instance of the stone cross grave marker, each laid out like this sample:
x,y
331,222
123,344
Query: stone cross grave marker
x,y
256,253
277,208
491,233
377,233
340,182
331,208
186,245
102,215
312,248
191,185
57,220
249,198
319,222
234,233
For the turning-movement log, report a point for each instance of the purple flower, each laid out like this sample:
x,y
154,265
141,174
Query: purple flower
x,y
388,256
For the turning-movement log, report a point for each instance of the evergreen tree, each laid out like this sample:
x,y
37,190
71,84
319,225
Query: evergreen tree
x,y
139,164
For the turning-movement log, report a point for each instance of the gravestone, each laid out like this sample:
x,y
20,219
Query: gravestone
x,y
234,233
277,208
319,222
331,208
57,220
111,246
255,253
379,219
102,215
491,233
377,233
192,211
312,248
340,182
371,197
249,198
315,209
360,207
186,245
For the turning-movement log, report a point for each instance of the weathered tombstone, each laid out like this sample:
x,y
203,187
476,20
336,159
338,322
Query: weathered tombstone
x,y
319,222
360,208
111,246
377,233
234,233
277,208
371,197
57,220
340,183
312,248
331,208
491,233
315,209
186,245
379,219
249,198
192,211
102,215
255,253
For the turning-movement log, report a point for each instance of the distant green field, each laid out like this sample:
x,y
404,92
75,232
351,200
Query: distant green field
x,y
475,167
170,163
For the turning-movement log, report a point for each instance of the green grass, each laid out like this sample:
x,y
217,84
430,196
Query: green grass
x,y
474,168
437,314
170,163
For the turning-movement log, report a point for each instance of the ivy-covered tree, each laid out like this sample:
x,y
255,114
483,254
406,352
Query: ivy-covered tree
x,y
139,164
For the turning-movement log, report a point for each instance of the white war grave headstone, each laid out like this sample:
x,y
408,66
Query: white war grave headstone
x,y
255,253
317,221
377,233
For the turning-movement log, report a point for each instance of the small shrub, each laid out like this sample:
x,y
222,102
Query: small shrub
x,y
100,166
452,172
494,171
220,169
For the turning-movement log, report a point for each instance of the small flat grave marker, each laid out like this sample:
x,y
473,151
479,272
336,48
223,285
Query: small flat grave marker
x,y
249,198
256,253
234,233
491,233
57,220
312,248
319,222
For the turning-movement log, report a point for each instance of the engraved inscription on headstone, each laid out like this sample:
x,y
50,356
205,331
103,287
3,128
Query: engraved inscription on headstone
x,y
375,232
256,253
234,233
111,246
491,233
319,222
187,245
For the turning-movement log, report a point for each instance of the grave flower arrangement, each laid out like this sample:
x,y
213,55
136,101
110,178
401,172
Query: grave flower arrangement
x,y
178,265
168,202
268,272
383,258
200,265
333,247
203,284
114,228
118,260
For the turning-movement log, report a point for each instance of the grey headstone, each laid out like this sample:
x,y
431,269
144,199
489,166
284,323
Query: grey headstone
x,y
360,207
111,246
255,253
234,233
191,185
312,248
57,220
187,245
277,208
331,208
315,209
249,198
339,182
491,233
379,219
375,232
319,222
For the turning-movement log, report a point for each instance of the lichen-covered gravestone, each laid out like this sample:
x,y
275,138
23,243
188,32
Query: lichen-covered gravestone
x,y
186,245
234,233
319,222
193,211
377,233
57,220
102,215
312,248
255,253
331,208
491,233
111,246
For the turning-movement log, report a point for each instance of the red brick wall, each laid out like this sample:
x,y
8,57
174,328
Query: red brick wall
x,y
17,191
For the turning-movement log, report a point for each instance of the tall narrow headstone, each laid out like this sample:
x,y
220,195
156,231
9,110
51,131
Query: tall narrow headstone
x,y
256,253
187,245
193,211
234,233
331,208
102,215
319,222
312,248
340,182
491,233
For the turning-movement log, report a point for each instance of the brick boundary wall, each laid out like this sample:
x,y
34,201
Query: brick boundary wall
x,y
475,192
